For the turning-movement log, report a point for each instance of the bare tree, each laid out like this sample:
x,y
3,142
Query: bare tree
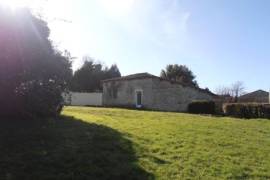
x,y
224,91
237,89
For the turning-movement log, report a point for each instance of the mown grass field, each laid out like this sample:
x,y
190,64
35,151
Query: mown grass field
x,y
183,146
104,143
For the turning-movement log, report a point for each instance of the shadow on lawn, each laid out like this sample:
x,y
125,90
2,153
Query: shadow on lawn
x,y
65,148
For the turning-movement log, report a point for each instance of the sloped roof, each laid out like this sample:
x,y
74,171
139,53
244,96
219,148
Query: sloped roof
x,y
147,75
132,76
258,93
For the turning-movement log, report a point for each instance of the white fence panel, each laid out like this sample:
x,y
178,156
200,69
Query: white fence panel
x,y
83,99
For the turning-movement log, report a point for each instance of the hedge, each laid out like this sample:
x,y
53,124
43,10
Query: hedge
x,y
247,110
202,107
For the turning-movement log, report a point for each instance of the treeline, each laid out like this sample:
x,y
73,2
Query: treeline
x,y
89,77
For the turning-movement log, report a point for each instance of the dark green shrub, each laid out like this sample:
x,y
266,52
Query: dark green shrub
x,y
266,111
33,74
41,99
247,110
202,107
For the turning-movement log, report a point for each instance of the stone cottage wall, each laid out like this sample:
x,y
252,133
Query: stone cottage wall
x,y
157,94
169,96
122,93
255,97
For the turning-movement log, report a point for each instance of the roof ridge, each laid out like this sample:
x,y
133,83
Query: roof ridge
x,y
132,76
148,75
253,92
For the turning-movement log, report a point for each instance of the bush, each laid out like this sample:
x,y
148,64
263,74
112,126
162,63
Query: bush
x,y
33,73
247,110
202,107
41,99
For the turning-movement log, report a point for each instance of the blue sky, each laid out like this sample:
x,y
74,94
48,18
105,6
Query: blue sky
x,y
221,41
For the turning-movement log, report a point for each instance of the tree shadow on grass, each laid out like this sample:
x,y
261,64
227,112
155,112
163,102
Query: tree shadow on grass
x,y
65,148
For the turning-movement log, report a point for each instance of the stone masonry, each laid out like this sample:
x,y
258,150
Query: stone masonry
x,y
157,93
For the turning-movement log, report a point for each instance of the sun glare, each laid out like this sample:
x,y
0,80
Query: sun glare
x,y
14,4
117,7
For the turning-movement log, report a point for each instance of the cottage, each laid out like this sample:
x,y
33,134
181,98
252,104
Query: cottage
x,y
147,91
258,96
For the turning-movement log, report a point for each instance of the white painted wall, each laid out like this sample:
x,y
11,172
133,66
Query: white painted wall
x,y
83,99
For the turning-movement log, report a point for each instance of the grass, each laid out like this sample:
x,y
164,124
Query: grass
x,y
183,146
65,148
104,143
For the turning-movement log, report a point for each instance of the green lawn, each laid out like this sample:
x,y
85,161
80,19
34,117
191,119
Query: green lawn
x,y
104,143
